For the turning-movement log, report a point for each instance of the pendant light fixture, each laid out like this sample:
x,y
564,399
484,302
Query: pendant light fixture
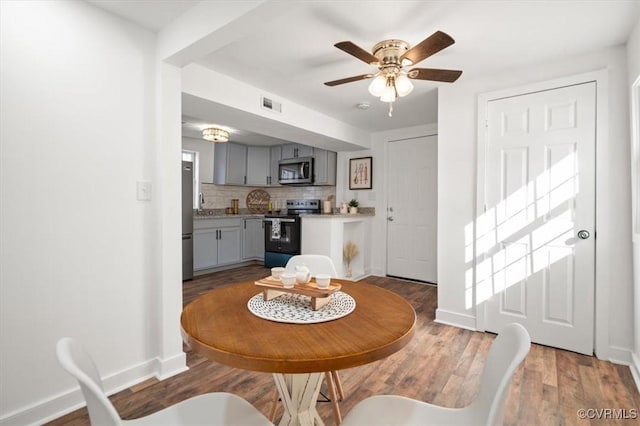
x,y
215,134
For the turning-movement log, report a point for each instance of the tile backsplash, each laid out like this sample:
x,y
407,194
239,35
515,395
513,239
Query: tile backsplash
x,y
220,196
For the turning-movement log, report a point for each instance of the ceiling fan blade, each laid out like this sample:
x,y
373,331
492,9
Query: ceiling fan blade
x,y
427,47
348,79
448,76
356,51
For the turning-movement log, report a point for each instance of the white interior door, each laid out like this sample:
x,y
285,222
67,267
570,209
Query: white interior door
x,y
537,234
412,209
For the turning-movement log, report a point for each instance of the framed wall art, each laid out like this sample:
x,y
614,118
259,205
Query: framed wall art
x,y
360,173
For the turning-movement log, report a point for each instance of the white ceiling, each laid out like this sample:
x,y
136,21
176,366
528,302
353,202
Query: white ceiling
x,y
295,55
150,14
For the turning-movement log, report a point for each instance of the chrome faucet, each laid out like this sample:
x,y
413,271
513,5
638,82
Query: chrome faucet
x,y
200,202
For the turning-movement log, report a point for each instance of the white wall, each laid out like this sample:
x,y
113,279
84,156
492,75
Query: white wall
x,y
78,252
295,122
633,61
457,141
377,195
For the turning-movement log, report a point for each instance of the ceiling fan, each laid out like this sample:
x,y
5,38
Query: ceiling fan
x,y
393,57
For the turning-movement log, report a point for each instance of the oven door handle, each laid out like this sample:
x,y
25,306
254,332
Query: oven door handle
x,y
281,220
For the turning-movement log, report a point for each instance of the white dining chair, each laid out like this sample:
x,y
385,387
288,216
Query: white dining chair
x,y
317,264
218,408
507,352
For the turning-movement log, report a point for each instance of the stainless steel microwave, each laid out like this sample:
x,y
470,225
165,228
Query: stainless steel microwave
x,y
296,171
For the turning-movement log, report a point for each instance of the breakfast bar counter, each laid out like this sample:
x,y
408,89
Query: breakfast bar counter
x,y
328,234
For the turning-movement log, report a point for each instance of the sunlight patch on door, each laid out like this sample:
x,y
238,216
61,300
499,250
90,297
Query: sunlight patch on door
x,y
528,232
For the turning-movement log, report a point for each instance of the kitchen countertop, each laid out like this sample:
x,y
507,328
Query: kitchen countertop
x,y
338,215
220,214
213,214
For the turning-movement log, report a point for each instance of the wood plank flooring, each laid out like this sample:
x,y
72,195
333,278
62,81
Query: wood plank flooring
x,y
441,365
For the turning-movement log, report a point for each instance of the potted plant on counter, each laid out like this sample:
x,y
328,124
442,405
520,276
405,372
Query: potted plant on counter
x,y
353,206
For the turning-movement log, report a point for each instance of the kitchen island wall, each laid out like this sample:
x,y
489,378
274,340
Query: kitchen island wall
x,y
220,196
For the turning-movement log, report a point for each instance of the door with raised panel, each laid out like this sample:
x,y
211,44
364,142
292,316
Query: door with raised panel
x,y
412,209
536,236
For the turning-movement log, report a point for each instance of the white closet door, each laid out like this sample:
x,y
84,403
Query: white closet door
x,y
537,234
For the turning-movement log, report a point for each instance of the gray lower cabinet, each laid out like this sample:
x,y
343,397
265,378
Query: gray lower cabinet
x,y
216,242
253,239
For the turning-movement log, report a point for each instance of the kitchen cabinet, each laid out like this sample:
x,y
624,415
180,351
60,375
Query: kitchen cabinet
x,y
236,164
324,167
295,150
275,157
258,165
216,242
253,239
230,164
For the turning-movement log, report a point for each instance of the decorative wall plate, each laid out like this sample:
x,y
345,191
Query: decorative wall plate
x,y
258,201
296,308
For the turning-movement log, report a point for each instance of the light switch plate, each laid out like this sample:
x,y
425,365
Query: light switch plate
x,y
143,190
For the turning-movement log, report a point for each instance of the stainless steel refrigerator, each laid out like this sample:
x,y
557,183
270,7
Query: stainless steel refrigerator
x,y
187,220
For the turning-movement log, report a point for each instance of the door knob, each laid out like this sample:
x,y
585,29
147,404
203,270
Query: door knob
x,y
390,218
583,234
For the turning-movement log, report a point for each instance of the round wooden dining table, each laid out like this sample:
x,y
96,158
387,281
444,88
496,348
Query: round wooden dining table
x,y
219,326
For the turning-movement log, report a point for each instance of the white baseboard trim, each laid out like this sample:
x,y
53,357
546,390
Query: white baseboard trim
x,y
456,319
66,402
171,366
378,272
617,355
635,369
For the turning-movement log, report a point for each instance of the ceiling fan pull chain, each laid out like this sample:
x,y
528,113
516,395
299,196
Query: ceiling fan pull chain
x,y
390,109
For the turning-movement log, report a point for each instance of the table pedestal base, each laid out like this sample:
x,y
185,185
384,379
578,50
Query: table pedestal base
x,y
299,393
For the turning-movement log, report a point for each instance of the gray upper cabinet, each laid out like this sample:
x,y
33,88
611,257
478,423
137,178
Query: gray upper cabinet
x,y
295,150
230,164
324,167
276,156
258,165
236,164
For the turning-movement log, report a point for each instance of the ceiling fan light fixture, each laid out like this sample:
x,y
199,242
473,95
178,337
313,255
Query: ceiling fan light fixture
x,y
403,84
392,57
215,134
377,85
389,92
